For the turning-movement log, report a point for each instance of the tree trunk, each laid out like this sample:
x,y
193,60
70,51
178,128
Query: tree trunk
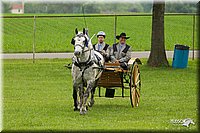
x,y
157,56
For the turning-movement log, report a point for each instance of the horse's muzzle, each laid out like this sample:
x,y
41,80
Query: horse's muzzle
x,y
77,53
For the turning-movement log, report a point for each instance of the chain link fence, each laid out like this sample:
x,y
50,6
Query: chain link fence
x,y
54,33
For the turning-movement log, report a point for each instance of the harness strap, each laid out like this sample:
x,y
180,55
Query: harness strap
x,y
78,65
94,47
87,64
90,63
98,59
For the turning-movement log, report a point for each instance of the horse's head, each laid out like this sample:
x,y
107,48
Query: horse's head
x,y
80,42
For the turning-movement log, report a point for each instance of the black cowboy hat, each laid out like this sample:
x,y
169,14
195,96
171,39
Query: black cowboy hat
x,y
122,35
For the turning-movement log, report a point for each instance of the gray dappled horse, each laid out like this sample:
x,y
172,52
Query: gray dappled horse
x,y
86,69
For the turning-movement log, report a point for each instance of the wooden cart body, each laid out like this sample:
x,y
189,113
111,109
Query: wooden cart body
x,y
115,76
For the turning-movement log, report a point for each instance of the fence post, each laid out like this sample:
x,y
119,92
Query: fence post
x,y
34,30
115,28
193,35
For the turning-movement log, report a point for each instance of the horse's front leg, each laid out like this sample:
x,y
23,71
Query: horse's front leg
x,y
83,109
75,88
81,93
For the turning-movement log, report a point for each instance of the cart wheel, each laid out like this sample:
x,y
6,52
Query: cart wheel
x,y
135,85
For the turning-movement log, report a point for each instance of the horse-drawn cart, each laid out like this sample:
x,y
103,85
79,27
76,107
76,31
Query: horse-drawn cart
x,y
115,76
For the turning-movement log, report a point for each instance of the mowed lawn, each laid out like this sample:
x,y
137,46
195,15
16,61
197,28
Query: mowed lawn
x,y
39,97
55,34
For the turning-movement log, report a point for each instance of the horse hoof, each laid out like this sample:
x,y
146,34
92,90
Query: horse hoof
x,y
90,104
83,112
76,109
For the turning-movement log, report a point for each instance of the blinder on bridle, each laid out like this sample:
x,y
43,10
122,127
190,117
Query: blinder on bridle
x,y
73,41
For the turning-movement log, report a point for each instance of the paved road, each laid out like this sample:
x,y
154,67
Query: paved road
x,y
141,54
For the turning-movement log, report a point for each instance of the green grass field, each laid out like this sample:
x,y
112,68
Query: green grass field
x,y
54,34
39,97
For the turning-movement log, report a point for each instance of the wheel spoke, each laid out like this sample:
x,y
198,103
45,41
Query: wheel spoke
x,y
138,92
132,89
136,84
137,77
134,98
137,98
136,101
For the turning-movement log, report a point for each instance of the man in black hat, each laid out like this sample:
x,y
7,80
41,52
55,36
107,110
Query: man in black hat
x,y
121,52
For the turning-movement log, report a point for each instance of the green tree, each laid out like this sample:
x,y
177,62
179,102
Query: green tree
x,y
6,7
91,8
180,7
136,8
147,6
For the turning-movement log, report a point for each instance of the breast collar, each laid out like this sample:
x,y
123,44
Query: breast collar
x,y
84,65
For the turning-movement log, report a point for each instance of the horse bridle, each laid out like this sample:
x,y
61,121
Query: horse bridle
x,y
85,43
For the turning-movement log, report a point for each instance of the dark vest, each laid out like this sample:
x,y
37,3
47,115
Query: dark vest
x,y
125,50
105,47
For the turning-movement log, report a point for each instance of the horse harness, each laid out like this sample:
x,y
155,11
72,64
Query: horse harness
x,y
86,64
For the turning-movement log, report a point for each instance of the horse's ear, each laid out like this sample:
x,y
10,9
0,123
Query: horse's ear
x,y
76,31
86,42
83,31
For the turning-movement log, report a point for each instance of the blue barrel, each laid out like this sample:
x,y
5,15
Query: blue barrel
x,y
180,58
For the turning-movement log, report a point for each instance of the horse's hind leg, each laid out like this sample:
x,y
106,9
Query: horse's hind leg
x,y
83,109
91,102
